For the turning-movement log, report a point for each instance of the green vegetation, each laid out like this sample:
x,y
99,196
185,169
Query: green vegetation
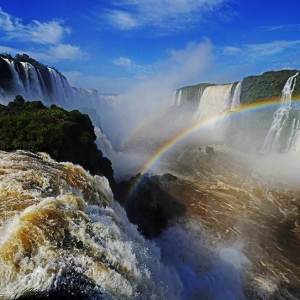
x,y
65,136
269,85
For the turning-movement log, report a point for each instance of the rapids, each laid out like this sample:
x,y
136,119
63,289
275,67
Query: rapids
x,y
248,204
62,231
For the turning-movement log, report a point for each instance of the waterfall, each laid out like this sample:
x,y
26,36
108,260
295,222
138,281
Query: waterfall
x,y
103,143
200,93
214,101
17,83
61,89
272,142
178,98
236,97
86,97
32,83
45,84
227,99
42,83
48,85
293,139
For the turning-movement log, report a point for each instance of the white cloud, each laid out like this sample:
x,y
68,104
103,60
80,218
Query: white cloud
x,y
231,50
181,67
63,52
51,32
4,49
49,55
261,50
129,66
43,39
6,22
283,27
123,61
167,14
265,49
122,20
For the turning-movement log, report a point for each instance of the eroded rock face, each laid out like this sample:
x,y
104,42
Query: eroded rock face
x,y
149,204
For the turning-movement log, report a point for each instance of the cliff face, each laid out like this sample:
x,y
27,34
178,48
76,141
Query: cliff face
x,y
25,76
265,87
190,95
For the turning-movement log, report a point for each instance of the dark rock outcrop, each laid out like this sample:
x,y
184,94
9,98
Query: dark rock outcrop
x,y
148,203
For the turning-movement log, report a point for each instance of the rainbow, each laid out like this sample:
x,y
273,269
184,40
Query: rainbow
x,y
199,125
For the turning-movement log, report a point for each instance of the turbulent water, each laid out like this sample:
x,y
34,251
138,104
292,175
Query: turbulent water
x,y
59,223
239,238
277,139
250,207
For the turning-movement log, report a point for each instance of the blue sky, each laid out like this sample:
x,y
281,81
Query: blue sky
x,y
114,45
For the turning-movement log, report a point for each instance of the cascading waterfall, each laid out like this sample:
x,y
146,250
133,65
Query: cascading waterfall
x,y
272,142
32,84
87,97
228,99
47,85
180,96
103,143
200,93
17,83
235,103
292,142
42,83
61,88
177,96
214,101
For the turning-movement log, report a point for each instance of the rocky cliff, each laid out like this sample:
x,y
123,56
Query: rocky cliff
x,y
265,87
34,81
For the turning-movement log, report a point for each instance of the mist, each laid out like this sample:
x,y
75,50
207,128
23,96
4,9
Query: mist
x,y
139,121
206,272
152,96
235,192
